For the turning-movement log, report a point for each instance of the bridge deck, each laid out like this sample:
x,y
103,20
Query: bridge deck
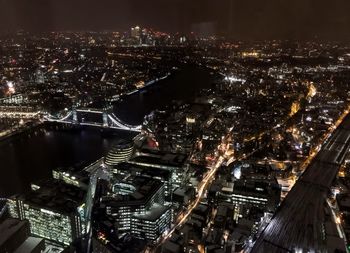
x,y
103,120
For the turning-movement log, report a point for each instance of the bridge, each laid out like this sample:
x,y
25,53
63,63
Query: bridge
x,y
92,117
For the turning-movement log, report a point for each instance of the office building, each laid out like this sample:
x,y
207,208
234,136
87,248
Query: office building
x,y
54,209
136,32
152,223
69,176
175,163
136,206
125,170
264,194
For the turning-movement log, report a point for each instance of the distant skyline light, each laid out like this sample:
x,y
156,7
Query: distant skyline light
x,y
238,19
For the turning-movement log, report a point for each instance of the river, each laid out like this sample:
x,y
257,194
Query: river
x,y
32,155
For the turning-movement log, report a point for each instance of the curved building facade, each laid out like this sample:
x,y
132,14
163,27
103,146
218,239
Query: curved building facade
x,y
120,152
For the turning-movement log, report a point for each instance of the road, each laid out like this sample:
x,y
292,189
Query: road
x,y
201,188
298,224
200,192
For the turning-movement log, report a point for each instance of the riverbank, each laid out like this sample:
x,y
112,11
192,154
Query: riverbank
x,y
148,84
11,133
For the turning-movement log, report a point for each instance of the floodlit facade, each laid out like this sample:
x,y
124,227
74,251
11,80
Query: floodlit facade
x,y
48,224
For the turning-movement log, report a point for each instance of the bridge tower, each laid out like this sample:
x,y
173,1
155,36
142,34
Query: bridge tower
x,y
75,116
105,119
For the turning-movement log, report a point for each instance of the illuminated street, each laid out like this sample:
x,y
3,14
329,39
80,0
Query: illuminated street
x,y
200,191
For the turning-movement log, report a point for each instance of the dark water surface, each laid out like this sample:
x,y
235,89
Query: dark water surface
x,y
182,85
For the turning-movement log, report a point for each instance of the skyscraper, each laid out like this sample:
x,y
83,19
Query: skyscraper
x,y
136,32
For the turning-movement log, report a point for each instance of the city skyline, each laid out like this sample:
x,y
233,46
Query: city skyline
x,y
236,19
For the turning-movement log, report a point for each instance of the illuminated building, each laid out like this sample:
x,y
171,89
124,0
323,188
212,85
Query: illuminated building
x,y
80,179
175,163
165,176
182,39
147,37
152,223
259,193
137,206
190,123
136,32
39,77
54,209
120,152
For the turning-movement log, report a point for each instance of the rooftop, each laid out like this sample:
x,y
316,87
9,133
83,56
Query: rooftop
x,y
161,158
154,213
55,195
145,188
142,170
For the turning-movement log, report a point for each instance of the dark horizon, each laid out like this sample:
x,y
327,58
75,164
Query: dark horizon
x,y
237,19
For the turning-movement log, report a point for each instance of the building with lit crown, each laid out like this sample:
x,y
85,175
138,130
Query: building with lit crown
x,y
136,32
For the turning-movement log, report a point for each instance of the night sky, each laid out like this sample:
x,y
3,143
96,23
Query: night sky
x,y
239,19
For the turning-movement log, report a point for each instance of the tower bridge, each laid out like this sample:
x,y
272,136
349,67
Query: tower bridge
x,y
93,117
